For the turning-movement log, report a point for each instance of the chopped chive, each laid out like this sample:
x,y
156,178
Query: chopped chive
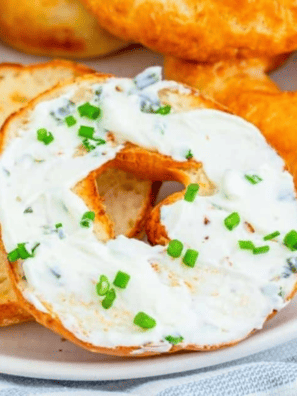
x,y
246,245
144,321
121,280
87,145
174,340
58,225
290,240
44,136
34,248
87,219
108,301
191,192
89,111
70,121
23,252
261,249
102,286
190,257
175,248
271,236
253,179
13,255
86,132
189,155
28,210
232,221
99,141
163,110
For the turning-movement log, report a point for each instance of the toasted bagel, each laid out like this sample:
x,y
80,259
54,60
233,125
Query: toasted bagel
x,y
123,297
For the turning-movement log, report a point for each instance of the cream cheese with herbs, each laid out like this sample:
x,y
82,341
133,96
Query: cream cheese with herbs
x,y
228,293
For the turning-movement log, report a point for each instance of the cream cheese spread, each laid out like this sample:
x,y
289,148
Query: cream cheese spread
x,y
228,293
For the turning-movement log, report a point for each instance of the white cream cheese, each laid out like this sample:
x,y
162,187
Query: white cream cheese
x,y
224,297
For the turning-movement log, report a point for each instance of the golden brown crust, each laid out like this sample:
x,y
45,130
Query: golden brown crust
x,y
205,31
130,158
54,28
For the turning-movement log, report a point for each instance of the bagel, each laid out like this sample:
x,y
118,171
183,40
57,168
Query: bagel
x,y
54,28
127,199
246,89
205,31
124,297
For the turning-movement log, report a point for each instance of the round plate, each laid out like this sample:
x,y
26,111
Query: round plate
x,y
32,351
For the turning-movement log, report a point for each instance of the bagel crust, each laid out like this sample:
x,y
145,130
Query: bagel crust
x,y
204,30
122,296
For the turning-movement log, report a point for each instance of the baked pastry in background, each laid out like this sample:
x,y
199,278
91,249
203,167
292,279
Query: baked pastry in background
x,y
202,30
55,28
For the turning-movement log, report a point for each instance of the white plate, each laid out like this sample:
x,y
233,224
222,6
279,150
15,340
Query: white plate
x,y
33,351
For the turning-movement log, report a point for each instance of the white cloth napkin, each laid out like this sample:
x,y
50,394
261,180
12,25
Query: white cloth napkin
x,y
272,372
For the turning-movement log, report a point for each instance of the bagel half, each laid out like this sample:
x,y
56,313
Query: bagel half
x,y
128,200
167,304
204,30
54,28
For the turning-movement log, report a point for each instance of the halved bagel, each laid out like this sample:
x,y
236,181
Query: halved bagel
x,y
205,31
54,28
128,199
150,300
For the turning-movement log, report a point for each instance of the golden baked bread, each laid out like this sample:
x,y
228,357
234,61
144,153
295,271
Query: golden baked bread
x,y
247,91
124,297
54,28
203,30
127,199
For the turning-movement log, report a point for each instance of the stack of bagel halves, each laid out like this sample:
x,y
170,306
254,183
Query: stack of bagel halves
x,y
221,51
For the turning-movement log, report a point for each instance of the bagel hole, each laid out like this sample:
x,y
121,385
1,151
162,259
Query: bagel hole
x,y
128,199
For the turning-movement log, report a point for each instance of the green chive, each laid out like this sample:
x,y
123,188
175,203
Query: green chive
x,y
271,236
144,321
102,286
59,225
232,221
261,249
86,132
13,255
87,219
70,121
163,110
108,301
246,245
23,252
121,280
253,179
44,136
190,257
191,192
290,240
189,155
174,340
175,248
89,111
87,145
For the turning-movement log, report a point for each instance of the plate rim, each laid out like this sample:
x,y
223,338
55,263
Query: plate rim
x,y
145,367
